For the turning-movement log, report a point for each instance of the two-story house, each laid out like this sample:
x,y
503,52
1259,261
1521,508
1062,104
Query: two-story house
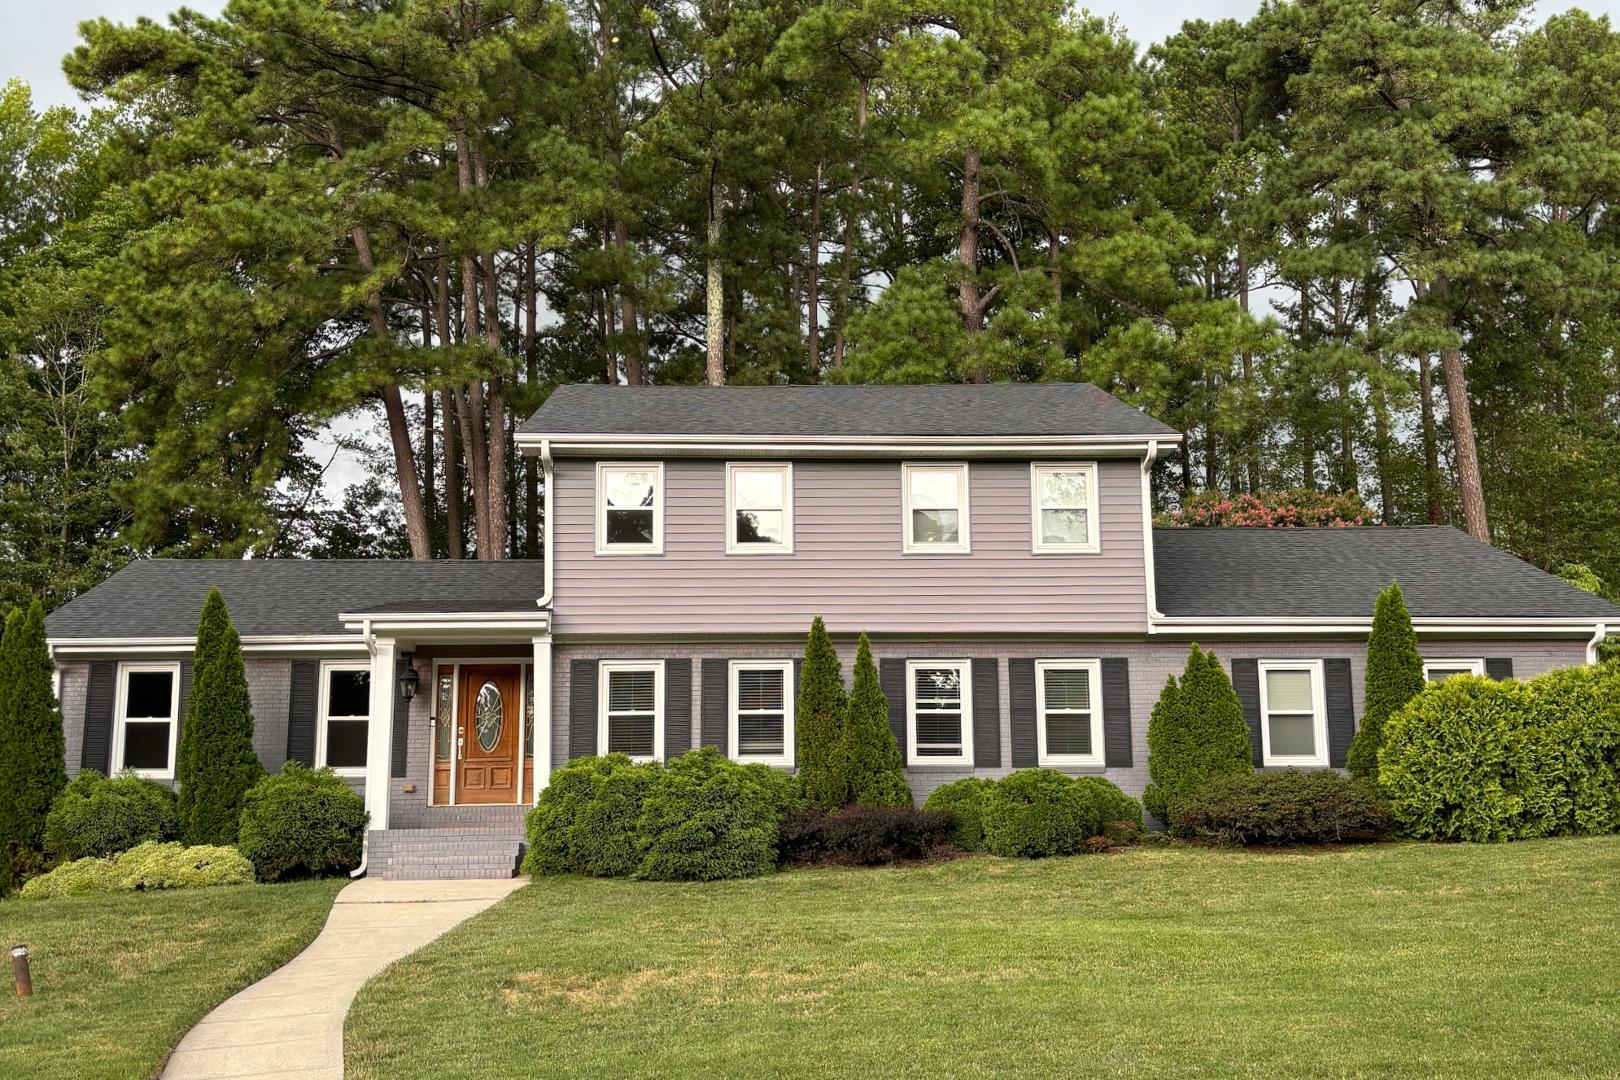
x,y
995,541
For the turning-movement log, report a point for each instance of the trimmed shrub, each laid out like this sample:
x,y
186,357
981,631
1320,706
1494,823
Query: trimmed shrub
x,y
95,816
1122,833
150,866
1608,650
864,835
1573,715
1394,677
819,720
1291,807
1195,734
216,764
964,800
302,823
706,818
1112,803
585,820
868,757
1038,812
32,750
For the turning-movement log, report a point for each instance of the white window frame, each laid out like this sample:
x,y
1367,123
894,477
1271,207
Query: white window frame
x,y
965,671
1472,665
1093,523
1065,761
657,545
323,717
785,758
733,545
1318,711
604,669
910,546
121,706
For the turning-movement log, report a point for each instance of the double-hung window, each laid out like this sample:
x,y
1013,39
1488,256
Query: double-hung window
x,y
629,509
759,509
631,709
1064,508
1440,670
939,712
936,509
147,720
1070,732
345,715
1293,713
761,711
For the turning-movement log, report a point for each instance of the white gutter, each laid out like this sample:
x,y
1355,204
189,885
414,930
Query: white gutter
x,y
1359,626
1147,531
571,440
267,643
1599,632
548,552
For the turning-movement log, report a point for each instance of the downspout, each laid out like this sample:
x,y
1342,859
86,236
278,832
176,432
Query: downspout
x,y
547,553
365,841
1147,534
1600,632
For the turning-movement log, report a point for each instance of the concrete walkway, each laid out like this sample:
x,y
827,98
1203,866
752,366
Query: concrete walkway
x,y
289,1025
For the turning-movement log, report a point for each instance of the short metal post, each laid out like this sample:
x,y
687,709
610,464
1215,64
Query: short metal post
x,y
19,969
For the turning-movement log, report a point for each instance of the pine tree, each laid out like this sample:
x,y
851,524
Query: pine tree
x,y
1196,733
1394,677
820,720
868,757
33,767
217,764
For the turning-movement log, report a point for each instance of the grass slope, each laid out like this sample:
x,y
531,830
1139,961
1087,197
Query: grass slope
x,y
1397,960
119,979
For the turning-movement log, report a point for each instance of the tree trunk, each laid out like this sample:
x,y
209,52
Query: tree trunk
x,y
967,246
531,360
715,328
455,535
812,282
498,480
1431,449
1469,483
429,421
841,312
635,355
1251,429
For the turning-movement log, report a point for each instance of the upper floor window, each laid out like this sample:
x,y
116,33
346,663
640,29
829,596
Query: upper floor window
x,y
939,712
1071,729
147,720
1441,670
345,714
759,509
1065,507
629,509
632,709
936,508
761,711
1293,715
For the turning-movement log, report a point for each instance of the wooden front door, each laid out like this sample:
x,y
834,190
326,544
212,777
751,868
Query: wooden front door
x,y
488,724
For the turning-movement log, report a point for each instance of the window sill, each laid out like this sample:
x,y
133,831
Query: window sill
x,y
1071,763
773,762
936,551
942,764
1294,763
350,774
1066,551
629,551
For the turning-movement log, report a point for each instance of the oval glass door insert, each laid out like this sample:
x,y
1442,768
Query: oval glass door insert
x,y
490,716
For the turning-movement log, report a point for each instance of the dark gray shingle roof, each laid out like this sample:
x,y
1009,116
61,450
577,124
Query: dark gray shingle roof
x,y
159,598
933,411
1338,573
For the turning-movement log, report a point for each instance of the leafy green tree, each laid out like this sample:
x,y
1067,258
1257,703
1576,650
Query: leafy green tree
x,y
868,757
1394,677
216,763
819,721
33,768
1195,733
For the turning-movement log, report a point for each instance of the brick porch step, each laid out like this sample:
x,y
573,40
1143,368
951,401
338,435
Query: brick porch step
x,y
445,853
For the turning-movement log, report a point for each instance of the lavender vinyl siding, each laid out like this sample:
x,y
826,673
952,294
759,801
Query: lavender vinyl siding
x,y
847,564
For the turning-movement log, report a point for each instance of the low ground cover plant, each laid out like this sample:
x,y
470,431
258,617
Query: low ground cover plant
x,y
1289,807
865,835
147,867
302,823
96,816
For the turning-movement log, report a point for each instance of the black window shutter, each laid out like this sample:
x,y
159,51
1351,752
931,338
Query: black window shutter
x,y
1021,712
100,690
582,709
1116,703
892,676
302,692
1246,681
677,707
1499,667
1341,709
987,713
399,735
716,700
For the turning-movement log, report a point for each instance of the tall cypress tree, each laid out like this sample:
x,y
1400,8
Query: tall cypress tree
x,y
1394,677
868,757
1196,733
216,764
33,768
819,720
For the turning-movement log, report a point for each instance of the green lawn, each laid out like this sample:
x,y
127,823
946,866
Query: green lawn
x,y
119,979
1397,960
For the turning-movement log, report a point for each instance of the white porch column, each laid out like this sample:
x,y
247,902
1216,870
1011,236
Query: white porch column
x,y
380,732
542,714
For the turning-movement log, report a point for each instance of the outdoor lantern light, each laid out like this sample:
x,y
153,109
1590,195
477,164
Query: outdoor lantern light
x,y
409,680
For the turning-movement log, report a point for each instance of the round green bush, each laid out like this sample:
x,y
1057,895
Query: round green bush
x,y
147,867
1038,812
95,816
585,820
1289,807
302,823
1573,721
964,800
707,818
1112,803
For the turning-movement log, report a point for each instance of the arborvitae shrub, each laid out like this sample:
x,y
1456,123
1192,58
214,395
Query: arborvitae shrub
x,y
1038,812
95,816
868,757
216,761
585,820
32,751
819,721
964,800
1290,807
1195,734
1394,677
302,823
706,818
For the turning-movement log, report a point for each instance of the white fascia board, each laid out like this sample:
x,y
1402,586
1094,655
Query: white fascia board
x,y
463,625
289,644
587,445
1565,627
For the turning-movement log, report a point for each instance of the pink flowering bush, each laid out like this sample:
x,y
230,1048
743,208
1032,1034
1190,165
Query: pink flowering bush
x,y
1295,508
